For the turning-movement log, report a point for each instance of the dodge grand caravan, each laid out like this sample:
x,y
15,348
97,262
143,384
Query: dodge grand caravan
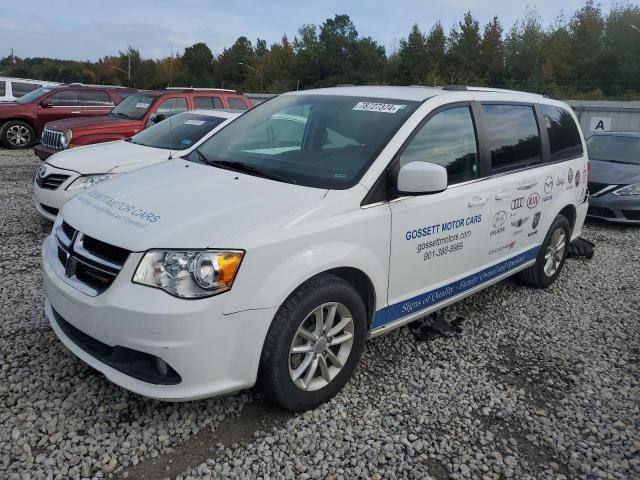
x,y
309,224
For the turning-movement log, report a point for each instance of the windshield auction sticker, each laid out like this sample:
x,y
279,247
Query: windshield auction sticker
x,y
119,210
142,105
378,107
194,122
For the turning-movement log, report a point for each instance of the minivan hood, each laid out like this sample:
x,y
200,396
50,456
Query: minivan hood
x,y
180,204
613,173
104,157
102,123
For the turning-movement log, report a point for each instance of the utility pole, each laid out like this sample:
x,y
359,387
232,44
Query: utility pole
x,y
171,66
13,60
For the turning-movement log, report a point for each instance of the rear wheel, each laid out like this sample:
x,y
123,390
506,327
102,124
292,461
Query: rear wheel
x,y
16,134
551,257
314,343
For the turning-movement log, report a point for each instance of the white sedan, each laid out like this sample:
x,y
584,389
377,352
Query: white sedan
x,y
69,172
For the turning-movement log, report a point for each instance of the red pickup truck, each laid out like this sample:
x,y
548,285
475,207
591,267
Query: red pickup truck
x,y
22,121
134,114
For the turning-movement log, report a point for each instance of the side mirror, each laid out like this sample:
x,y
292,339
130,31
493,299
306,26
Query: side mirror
x,y
46,103
421,178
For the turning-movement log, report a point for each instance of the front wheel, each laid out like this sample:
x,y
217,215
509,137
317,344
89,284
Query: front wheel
x,y
314,343
16,134
551,257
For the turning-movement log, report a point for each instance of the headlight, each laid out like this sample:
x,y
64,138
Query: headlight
x,y
66,138
87,181
189,273
633,189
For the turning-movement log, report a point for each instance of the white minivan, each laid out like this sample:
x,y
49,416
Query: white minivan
x,y
314,221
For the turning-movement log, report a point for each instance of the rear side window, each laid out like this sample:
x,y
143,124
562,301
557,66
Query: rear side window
x,y
237,103
448,139
564,137
65,98
19,88
95,98
3,90
512,134
208,103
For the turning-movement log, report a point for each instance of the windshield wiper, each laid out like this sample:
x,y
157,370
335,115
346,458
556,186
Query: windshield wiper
x,y
244,168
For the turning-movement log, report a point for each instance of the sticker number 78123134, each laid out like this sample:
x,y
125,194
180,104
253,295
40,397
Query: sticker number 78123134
x,y
378,107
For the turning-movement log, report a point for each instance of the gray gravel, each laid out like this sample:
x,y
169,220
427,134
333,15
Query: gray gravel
x,y
540,384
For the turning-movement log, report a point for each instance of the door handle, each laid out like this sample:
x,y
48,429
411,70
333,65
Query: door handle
x,y
478,200
504,194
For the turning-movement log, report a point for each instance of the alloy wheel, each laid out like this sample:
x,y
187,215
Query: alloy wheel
x,y
321,346
555,252
18,135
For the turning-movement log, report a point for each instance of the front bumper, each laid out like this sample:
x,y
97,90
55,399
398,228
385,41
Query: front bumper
x,y
212,353
43,152
48,201
615,208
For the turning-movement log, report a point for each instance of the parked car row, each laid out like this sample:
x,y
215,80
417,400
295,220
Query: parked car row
x,y
274,244
57,114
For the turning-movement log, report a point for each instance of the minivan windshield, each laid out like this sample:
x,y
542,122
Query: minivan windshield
x,y
33,95
324,141
178,132
614,148
133,107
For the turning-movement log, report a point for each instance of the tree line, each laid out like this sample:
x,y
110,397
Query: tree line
x,y
592,54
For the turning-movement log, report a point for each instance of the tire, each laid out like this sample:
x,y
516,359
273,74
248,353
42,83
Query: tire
x,y
16,135
279,366
541,274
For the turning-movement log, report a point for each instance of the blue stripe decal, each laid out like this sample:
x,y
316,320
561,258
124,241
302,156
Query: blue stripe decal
x,y
433,297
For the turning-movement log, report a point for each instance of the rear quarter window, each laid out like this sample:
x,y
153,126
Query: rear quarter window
x,y
3,89
237,103
564,136
512,134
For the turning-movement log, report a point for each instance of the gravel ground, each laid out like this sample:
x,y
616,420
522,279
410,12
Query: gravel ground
x,y
540,384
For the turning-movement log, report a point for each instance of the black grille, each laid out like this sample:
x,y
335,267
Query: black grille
x,y
87,261
140,365
68,230
105,251
631,214
51,182
601,212
48,209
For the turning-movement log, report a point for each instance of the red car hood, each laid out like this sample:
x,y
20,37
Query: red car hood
x,y
93,124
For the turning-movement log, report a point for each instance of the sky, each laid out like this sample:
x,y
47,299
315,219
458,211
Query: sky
x,y
90,29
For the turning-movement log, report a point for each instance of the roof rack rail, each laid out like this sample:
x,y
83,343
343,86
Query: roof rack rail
x,y
488,89
455,87
197,89
80,84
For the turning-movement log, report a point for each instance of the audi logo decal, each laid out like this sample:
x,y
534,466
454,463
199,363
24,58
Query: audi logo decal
x,y
517,203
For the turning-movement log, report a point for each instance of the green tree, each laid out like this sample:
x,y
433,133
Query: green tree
x,y
523,53
413,58
436,45
197,61
464,45
492,54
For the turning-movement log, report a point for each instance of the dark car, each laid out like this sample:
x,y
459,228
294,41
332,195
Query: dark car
x,y
614,177
136,113
22,121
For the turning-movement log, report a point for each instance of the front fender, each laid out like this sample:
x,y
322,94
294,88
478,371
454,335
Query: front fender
x,y
254,290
